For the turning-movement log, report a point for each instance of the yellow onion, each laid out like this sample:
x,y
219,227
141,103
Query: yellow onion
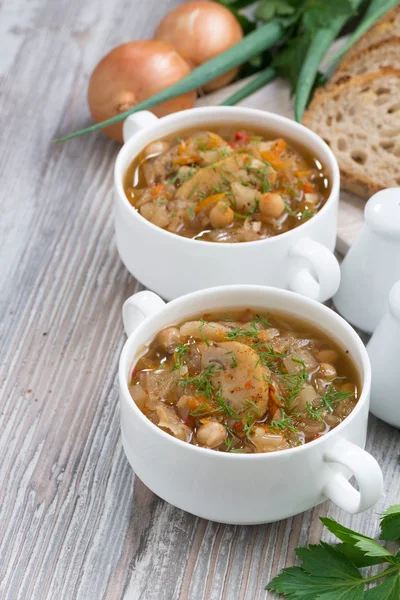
x,y
200,30
131,73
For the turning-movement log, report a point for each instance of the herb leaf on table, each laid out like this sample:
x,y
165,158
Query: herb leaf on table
x,y
390,523
367,545
388,590
332,571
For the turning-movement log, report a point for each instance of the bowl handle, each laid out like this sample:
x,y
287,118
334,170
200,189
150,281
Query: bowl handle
x,y
140,120
308,253
364,468
138,307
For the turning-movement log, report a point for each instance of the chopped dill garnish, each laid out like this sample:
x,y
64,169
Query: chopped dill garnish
x,y
269,357
226,408
202,146
180,352
230,439
234,362
303,371
283,426
203,410
263,320
193,189
238,332
307,213
326,403
160,202
248,426
191,210
315,412
203,322
223,152
202,383
332,397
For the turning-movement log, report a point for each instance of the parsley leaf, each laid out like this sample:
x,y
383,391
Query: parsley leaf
x,y
290,59
331,572
388,590
268,9
390,523
358,557
328,575
319,12
366,544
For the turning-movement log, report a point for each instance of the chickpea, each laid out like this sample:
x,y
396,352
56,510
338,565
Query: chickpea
x,y
157,147
271,205
328,371
211,434
221,214
169,338
327,356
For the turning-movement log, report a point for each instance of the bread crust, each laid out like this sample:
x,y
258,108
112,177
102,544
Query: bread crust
x,y
363,185
377,32
343,72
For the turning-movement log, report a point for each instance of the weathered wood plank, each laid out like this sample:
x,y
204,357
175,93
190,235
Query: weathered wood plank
x,y
74,522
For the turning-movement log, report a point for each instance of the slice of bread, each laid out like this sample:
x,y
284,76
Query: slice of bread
x,y
385,53
388,26
360,121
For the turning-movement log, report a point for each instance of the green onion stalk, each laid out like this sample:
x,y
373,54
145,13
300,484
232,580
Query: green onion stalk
x,y
252,44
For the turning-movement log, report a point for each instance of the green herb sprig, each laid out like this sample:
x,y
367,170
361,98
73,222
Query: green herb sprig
x,y
332,572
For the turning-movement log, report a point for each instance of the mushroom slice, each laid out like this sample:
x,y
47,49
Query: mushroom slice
x,y
169,420
300,359
201,330
242,167
240,376
158,383
265,440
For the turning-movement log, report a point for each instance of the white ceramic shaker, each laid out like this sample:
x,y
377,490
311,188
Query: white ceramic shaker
x,y
384,353
372,264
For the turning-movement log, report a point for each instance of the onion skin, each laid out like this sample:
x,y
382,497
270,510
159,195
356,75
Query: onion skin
x,y
131,73
200,30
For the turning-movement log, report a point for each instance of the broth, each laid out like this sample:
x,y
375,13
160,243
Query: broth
x,y
245,381
226,184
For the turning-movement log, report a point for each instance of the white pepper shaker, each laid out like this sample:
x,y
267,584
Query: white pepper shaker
x,y
372,264
384,353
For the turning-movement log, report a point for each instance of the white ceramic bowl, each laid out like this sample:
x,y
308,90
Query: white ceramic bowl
x,y
301,259
253,488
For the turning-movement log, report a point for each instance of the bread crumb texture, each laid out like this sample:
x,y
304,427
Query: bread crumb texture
x,y
360,120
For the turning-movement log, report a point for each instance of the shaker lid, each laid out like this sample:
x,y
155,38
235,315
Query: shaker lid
x,y
382,212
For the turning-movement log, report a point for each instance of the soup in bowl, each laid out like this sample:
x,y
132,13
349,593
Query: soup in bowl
x,y
226,184
244,381
246,404
224,195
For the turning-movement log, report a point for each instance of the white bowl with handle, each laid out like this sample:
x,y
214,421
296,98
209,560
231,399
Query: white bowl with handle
x,y
301,259
252,488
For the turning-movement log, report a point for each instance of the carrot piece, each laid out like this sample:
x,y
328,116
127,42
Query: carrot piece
x,y
214,140
279,146
184,160
273,159
307,187
182,148
157,189
303,173
207,201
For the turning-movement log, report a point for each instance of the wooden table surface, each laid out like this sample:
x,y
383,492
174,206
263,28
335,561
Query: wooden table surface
x,y
74,521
